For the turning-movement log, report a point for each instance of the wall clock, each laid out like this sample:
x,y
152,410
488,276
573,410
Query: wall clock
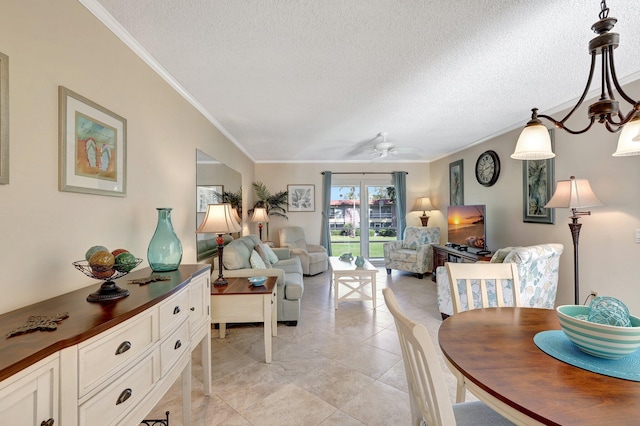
x,y
488,168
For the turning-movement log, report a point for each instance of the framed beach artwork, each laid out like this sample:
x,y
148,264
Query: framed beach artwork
x,y
92,147
301,198
456,183
537,189
4,118
208,194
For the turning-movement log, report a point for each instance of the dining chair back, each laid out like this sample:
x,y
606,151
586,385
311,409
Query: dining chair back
x,y
428,395
476,278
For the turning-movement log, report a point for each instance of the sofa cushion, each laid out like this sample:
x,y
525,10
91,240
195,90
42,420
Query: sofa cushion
x,y
236,255
256,261
501,254
290,266
404,255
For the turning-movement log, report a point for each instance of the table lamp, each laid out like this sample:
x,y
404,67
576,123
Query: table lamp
x,y
574,194
219,220
260,215
425,205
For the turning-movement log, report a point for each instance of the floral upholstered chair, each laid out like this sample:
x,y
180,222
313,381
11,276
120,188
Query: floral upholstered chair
x,y
414,252
538,271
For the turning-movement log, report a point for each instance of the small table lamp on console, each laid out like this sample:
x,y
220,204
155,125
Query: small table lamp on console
x,y
574,194
260,215
220,220
423,204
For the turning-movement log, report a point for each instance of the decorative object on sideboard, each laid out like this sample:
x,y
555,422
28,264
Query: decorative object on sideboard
x,y
423,204
488,168
534,142
260,216
219,220
109,290
151,279
39,322
574,194
165,250
92,147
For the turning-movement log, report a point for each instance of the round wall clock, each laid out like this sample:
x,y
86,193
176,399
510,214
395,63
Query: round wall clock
x,y
488,168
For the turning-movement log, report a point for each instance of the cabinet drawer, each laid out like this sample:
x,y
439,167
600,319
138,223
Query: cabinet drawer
x,y
109,405
173,347
100,357
174,311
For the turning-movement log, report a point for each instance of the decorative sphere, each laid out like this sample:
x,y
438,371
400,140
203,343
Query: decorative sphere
x,y
609,311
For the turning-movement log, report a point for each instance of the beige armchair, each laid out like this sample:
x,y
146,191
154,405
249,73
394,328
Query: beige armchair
x,y
414,253
314,257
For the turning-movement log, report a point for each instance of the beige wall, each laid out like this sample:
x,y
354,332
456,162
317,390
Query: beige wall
x,y
43,230
276,177
608,257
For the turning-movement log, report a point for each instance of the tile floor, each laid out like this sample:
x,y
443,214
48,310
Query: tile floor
x,y
336,367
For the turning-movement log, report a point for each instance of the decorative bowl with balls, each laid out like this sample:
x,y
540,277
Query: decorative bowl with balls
x,y
604,329
101,264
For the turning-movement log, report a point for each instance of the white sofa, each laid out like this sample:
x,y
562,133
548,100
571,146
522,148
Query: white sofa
x,y
537,269
237,262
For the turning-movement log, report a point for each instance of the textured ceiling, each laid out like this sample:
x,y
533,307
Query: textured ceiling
x,y
310,80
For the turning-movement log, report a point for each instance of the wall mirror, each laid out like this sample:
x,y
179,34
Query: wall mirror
x,y
215,183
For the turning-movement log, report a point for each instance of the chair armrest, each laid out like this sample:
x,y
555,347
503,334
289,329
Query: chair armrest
x,y
282,252
314,248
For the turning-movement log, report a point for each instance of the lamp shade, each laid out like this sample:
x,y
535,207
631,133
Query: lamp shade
x,y
574,194
534,143
236,216
423,204
260,215
219,219
629,140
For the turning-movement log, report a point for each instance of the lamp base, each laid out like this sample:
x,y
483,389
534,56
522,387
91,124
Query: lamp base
x,y
220,282
424,219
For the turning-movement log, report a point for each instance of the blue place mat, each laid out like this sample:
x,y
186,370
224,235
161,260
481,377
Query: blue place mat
x,y
556,344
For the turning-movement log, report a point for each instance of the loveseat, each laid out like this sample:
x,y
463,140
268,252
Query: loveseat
x,y
248,256
537,269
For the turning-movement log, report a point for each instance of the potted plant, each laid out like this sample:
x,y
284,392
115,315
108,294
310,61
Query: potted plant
x,y
274,203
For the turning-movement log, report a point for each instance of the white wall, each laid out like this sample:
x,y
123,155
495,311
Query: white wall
x,y
276,177
608,258
43,230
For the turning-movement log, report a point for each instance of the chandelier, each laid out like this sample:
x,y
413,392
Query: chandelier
x,y
534,142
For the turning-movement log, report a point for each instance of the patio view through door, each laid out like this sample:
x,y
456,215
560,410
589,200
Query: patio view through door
x,y
362,217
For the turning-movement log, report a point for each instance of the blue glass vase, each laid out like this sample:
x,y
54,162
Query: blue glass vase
x,y
165,250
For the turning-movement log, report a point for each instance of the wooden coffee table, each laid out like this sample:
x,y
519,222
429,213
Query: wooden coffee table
x,y
243,302
354,278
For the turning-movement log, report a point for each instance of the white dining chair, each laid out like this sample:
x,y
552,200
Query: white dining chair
x,y
428,395
468,283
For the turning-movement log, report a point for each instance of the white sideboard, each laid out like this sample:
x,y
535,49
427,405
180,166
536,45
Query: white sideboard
x,y
108,363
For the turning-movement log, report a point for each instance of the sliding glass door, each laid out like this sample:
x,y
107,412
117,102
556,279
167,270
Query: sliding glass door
x,y
362,217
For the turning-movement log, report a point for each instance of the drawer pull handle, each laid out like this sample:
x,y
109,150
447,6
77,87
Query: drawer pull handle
x,y
49,422
124,395
193,309
177,345
124,346
176,310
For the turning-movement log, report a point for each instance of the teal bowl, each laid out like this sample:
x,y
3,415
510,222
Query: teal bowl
x,y
599,340
257,281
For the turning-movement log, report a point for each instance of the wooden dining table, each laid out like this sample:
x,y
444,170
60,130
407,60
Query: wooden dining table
x,y
494,350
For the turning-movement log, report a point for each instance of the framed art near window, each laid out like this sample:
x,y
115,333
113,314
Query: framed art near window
x,y
4,118
456,183
537,189
301,198
92,147
208,194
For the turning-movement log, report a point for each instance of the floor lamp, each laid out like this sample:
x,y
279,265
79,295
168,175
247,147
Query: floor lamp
x,y
220,220
574,194
260,215
423,204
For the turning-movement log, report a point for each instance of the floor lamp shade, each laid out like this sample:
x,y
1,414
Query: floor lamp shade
x,y
574,194
261,216
219,219
424,205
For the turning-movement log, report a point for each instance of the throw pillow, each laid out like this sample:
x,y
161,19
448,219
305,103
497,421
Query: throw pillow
x,y
273,258
256,261
263,256
500,254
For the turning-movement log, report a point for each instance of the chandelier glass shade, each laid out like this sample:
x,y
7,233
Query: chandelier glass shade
x,y
535,143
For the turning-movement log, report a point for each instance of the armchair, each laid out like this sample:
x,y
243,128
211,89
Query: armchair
x,y
314,257
414,252
537,270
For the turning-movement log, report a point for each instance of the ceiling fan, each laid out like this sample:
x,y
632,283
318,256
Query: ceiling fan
x,y
384,149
